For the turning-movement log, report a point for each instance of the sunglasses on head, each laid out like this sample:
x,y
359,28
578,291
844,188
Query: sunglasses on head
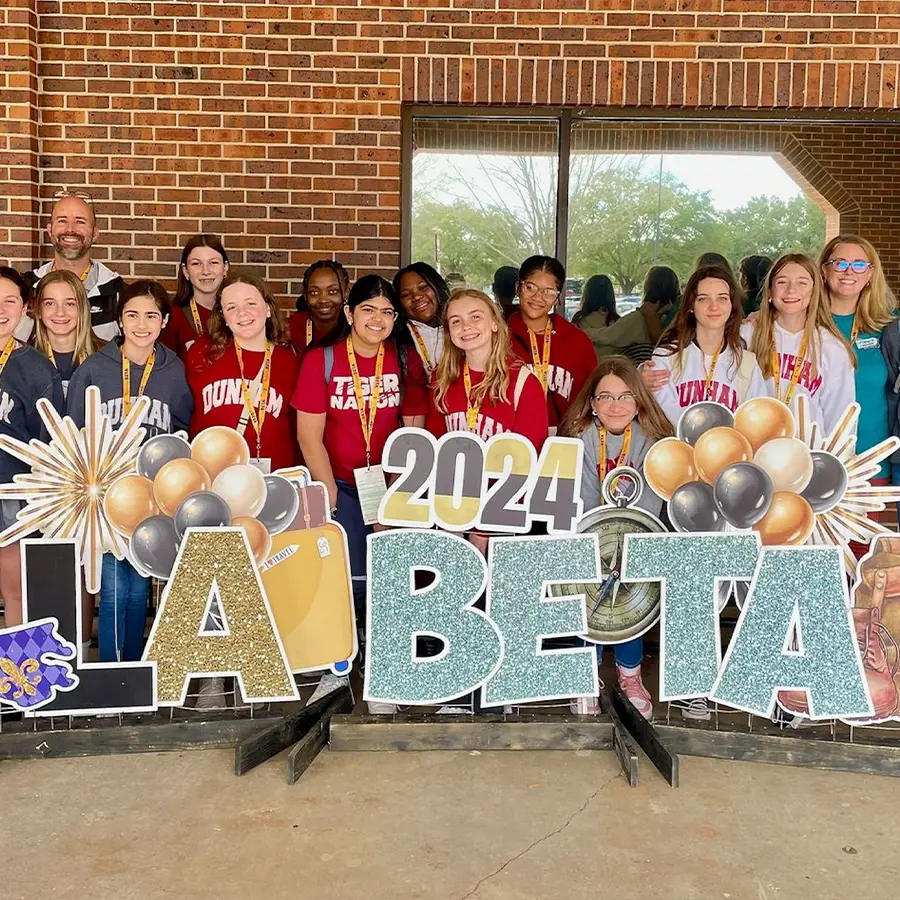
x,y
62,193
859,266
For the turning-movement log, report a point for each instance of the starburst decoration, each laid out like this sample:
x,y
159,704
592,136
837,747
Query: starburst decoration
x,y
69,478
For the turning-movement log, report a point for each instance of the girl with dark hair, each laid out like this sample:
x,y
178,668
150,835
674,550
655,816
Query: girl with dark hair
x,y
559,354
349,398
423,295
326,285
134,365
598,306
25,377
754,270
243,374
203,268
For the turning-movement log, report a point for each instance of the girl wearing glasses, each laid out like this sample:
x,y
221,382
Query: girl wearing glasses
x,y
561,355
203,268
325,288
618,421
799,349
423,295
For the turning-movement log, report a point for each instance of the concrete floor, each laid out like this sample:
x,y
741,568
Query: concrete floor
x,y
448,826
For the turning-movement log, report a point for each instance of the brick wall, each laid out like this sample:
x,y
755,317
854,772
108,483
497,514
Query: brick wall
x,y
277,122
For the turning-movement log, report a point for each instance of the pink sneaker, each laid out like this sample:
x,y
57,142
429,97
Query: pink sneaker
x,y
633,688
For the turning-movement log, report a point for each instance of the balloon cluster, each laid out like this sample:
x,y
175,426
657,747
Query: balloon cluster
x,y
746,470
205,484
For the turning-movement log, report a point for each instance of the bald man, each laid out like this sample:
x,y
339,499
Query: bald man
x,y
72,230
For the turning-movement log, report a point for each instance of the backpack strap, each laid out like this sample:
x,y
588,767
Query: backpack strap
x,y
524,372
329,362
745,373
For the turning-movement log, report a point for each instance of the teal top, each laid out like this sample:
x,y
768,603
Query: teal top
x,y
871,389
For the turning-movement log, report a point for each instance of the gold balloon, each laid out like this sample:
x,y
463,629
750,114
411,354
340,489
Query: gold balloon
x,y
259,537
789,521
763,419
128,502
719,448
668,465
217,448
176,480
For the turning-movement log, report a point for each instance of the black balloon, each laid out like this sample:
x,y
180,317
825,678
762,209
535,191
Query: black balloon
x,y
828,482
154,546
743,493
158,451
203,509
282,502
696,420
692,508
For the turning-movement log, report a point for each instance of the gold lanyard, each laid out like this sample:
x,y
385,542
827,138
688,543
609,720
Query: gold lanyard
x,y
51,357
257,418
198,327
7,350
623,456
426,356
471,411
795,373
368,424
709,375
308,332
854,331
126,379
541,365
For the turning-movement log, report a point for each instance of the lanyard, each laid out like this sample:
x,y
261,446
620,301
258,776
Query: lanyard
x,y
709,375
541,365
308,332
7,350
83,276
423,349
198,327
623,456
368,424
471,410
51,357
126,379
854,331
257,418
795,373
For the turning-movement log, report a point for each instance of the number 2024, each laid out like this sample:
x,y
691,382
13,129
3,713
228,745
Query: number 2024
x,y
461,482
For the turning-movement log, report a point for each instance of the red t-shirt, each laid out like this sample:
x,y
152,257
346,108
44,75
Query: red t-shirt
x,y
528,418
180,333
343,436
219,400
297,327
572,359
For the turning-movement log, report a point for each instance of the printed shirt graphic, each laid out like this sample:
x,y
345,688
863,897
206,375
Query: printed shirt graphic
x,y
180,335
529,418
572,359
219,399
343,436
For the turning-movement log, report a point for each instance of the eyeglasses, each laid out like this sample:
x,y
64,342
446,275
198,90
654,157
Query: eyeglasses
x,y
529,288
62,193
858,266
609,399
380,311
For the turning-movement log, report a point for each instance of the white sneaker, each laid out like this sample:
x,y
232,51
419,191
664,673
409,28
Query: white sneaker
x,y
697,709
377,708
328,684
584,706
454,711
211,694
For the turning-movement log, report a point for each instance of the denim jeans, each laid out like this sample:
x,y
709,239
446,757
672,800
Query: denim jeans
x,y
123,611
349,514
628,654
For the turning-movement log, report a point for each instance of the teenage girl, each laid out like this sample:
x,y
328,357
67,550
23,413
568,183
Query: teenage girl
x,y
325,288
795,341
618,421
203,268
423,295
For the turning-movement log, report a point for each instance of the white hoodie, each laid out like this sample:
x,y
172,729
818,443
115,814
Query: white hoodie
x,y
686,383
833,388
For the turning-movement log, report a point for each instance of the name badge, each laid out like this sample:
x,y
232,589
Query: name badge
x,y
263,464
372,486
867,343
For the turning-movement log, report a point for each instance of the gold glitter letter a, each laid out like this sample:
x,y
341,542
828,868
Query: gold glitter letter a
x,y
252,649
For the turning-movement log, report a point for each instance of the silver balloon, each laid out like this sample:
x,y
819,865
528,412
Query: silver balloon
x,y
154,546
696,420
158,451
692,508
828,483
282,503
204,509
743,493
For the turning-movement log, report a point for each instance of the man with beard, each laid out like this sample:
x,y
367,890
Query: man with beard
x,y
72,230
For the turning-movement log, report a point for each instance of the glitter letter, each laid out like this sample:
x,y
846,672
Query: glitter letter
x,y
521,568
796,632
398,611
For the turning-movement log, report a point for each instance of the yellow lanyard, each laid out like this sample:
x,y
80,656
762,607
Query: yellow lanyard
x,y
368,424
198,327
308,332
623,456
257,418
709,375
471,411
854,331
7,350
126,379
50,356
426,356
795,373
541,365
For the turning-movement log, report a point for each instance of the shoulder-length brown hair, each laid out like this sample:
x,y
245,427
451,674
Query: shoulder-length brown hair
x,y
683,330
184,290
650,416
85,343
220,334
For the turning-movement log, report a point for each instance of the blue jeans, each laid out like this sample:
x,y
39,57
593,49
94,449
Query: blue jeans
x,y
123,611
895,479
349,514
628,654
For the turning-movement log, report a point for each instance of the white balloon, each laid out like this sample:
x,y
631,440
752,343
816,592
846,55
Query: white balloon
x,y
788,462
243,488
